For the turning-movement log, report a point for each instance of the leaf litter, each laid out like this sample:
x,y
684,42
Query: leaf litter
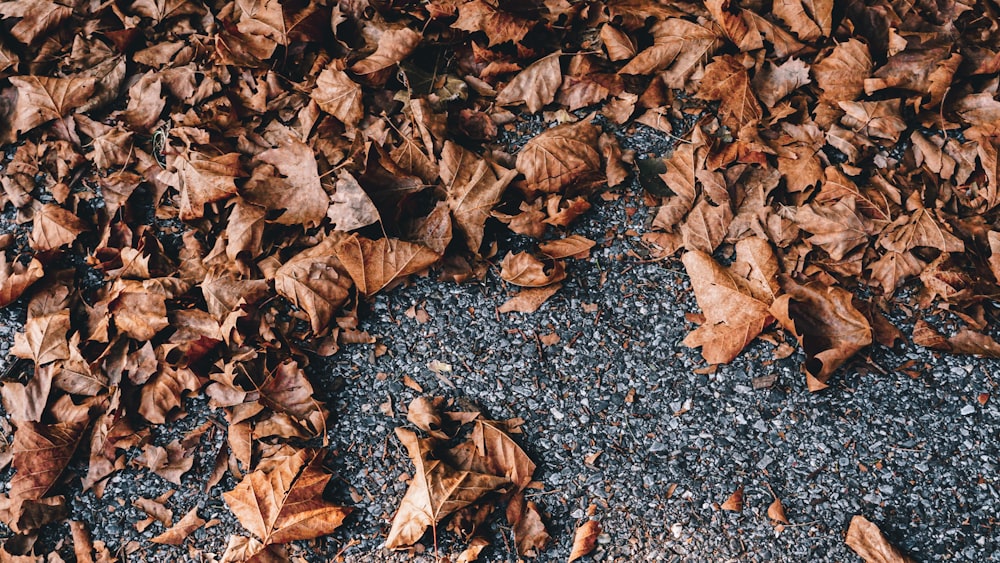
x,y
240,175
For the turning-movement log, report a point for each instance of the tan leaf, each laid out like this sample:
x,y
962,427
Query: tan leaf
x,y
287,390
836,228
841,75
41,453
424,413
139,315
530,535
808,19
202,179
705,226
474,186
315,281
54,227
560,156
776,512
826,323
920,229
42,99
339,96
571,246
437,490
735,501
164,392
287,503
879,119
867,540
584,540
735,307
526,270
224,292
471,553
177,533
679,47
727,80
374,264
772,83
498,25
534,86
44,337
965,341
394,45
529,300
893,269
37,18
617,43
170,462
16,277
145,102
291,183
350,207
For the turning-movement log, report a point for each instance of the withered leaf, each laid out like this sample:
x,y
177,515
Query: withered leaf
x,y
202,179
570,246
776,512
526,270
534,86
339,96
529,300
54,227
867,540
437,490
499,26
42,99
679,46
474,186
163,393
561,156
176,534
291,184
37,17
350,207
727,80
16,278
841,75
393,46
826,323
735,501
374,264
287,503
315,281
584,540
41,453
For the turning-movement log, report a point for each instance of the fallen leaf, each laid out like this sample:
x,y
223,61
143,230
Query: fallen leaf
x,y
176,534
776,512
867,541
526,270
529,300
735,501
315,281
584,540
374,264
534,86
42,99
560,156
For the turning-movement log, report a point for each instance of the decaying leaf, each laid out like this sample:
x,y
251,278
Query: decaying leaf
x,y
374,264
561,156
735,501
176,534
526,270
867,540
584,540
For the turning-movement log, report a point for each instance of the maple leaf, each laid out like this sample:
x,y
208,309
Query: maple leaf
x,y
139,315
53,227
734,300
394,45
201,180
584,540
571,246
867,540
679,47
44,338
534,86
37,18
474,186
176,534
374,264
560,156
42,99
526,270
436,491
145,102
498,25
727,80
338,95
350,207
16,278
826,323
162,394
772,83
286,504
162,10
841,75
315,281
835,227
41,453
738,25
808,19
289,181
170,462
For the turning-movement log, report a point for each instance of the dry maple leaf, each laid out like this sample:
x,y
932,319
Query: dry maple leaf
x,y
561,156
315,281
338,95
534,86
808,19
374,264
826,323
41,453
498,25
176,534
841,75
867,541
474,186
525,270
571,246
139,315
727,80
436,491
350,207
776,512
529,300
42,99
16,278
584,540
162,394
679,47
202,179
734,300
393,46
54,227
44,337
287,503
37,18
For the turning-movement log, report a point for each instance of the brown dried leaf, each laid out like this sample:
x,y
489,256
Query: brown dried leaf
x,y
202,180
350,207
735,501
287,503
560,156
315,281
436,491
571,246
42,99
338,95
291,183
394,45
584,540
16,278
826,323
529,300
867,540
727,80
474,186
498,25
164,392
41,453
37,18
776,512
54,227
841,75
374,264
525,270
534,86
177,533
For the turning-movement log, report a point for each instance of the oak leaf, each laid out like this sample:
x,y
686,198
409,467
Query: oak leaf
x,y
374,264
826,323
436,491
287,503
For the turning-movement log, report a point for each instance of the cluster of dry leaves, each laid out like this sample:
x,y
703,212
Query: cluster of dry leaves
x,y
241,173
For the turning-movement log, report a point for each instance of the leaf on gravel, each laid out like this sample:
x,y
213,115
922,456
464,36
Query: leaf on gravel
x,y
584,540
560,156
827,325
202,179
735,501
162,394
54,227
534,86
437,490
525,270
734,300
287,503
776,512
965,341
867,541
44,338
374,264
529,300
16,278
176,534
573,246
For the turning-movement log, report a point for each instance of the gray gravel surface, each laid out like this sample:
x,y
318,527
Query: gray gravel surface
x,y
914,452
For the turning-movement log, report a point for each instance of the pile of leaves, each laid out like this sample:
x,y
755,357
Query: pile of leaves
x,y
240,175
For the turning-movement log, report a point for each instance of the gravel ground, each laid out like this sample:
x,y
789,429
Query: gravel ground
x,y
912,450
